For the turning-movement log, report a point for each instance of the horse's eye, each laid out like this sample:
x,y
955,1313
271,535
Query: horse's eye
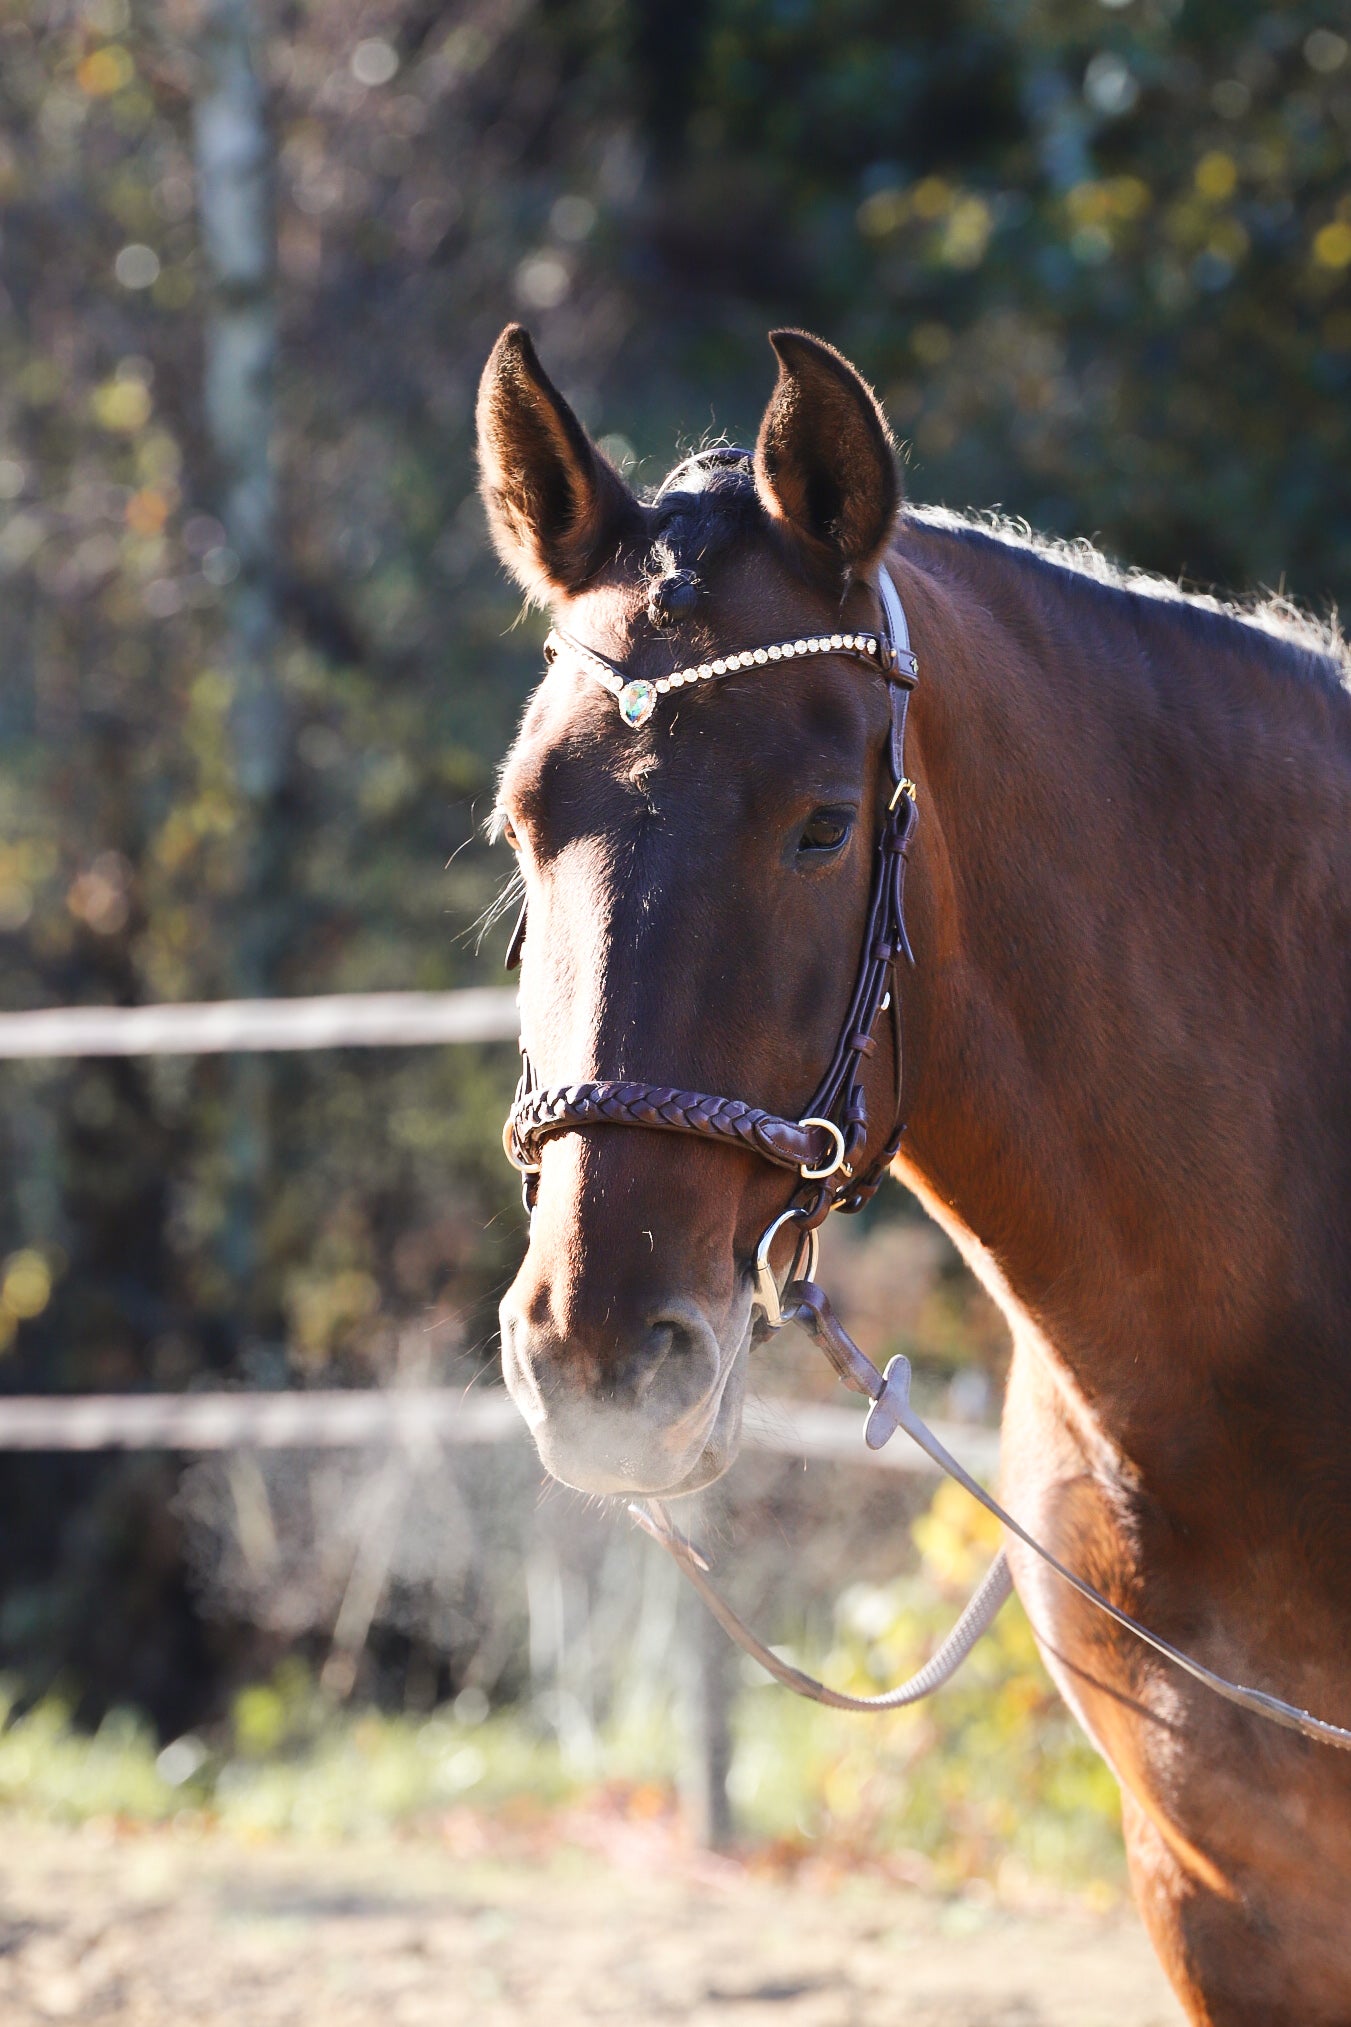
x,y
825,830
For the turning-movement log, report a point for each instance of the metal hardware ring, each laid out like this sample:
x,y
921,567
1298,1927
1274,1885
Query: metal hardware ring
x,y
766,1287
836,1161
522,1167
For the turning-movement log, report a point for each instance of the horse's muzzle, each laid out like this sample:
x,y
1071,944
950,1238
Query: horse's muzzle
x,y
656,1409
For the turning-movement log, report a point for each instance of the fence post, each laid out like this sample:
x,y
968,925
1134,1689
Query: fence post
x,y
709,1674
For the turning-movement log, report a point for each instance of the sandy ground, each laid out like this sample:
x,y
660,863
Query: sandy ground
x,y
142,1930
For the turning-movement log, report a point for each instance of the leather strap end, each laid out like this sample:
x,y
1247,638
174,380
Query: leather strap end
x,y
791,1145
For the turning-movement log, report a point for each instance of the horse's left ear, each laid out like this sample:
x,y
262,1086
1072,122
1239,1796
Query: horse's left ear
x,y
825,469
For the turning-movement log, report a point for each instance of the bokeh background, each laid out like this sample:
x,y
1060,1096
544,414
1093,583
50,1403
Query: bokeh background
x,y
258,665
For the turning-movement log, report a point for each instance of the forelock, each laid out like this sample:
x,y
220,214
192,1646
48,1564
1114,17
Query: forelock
x,y
700,509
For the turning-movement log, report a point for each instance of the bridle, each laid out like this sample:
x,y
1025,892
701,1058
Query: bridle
x,y
824,1147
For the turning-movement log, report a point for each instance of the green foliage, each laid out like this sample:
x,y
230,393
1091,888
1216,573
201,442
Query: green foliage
x,y
48,1766
285,1764
989,1779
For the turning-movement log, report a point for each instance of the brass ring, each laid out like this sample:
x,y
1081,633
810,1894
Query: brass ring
x,y
837,1160
508,1148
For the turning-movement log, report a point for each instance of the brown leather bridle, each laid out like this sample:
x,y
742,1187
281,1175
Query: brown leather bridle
x,y
826,1144
822,1146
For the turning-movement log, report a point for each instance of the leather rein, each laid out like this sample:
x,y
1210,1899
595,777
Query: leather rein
x,y
824,1148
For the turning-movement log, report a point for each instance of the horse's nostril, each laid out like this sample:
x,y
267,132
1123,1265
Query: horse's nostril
x,y
621,1402
648,1362
681,1354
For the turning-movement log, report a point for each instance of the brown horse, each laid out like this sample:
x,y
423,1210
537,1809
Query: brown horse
x,y
1127,1035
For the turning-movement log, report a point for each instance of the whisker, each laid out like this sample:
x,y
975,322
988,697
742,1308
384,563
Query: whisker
x,y
498,908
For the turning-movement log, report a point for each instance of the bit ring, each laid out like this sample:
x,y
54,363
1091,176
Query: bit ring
x,y
766,1297
508,1148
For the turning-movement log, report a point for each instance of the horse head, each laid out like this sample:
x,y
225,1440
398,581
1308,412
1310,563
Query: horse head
x,y
697,858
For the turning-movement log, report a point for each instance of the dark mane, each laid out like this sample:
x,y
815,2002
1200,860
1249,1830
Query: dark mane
x,y
1294,640
708,501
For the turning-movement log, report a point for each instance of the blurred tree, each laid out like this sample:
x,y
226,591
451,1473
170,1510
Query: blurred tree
x,y
234,200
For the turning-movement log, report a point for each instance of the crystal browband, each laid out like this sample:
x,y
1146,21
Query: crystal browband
x,y
637,697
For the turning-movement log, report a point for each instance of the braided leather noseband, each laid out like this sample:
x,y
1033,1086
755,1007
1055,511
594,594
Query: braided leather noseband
x,y
825,1144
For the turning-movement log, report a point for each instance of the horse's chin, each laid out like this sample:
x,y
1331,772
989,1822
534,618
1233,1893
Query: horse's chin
x,y
634,1454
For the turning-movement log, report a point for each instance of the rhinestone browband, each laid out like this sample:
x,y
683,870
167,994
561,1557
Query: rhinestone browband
x,y
637,698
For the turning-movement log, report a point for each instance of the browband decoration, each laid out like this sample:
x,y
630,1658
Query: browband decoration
x,y
637,697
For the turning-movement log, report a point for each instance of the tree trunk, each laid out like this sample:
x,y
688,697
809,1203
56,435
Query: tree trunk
x,y
234,185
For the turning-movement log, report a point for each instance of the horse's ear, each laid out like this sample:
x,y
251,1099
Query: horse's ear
x,y
557,510
825,469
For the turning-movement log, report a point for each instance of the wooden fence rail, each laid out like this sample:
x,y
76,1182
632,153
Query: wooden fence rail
x,y
417,1417
340,1020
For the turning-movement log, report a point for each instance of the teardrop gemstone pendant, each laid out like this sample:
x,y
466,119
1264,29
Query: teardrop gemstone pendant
x,y
636,702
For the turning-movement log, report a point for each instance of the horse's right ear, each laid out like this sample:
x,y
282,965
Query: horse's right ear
x,y
557,510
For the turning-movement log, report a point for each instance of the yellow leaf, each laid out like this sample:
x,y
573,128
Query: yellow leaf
x,y
27,1285
121,405
105,71
1332,245
932,197
883,212
1216,176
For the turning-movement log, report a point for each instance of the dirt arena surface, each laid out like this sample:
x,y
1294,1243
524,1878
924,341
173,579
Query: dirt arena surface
x,y
161,1928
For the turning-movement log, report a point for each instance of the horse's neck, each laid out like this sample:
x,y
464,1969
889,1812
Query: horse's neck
x,y
1110,1050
